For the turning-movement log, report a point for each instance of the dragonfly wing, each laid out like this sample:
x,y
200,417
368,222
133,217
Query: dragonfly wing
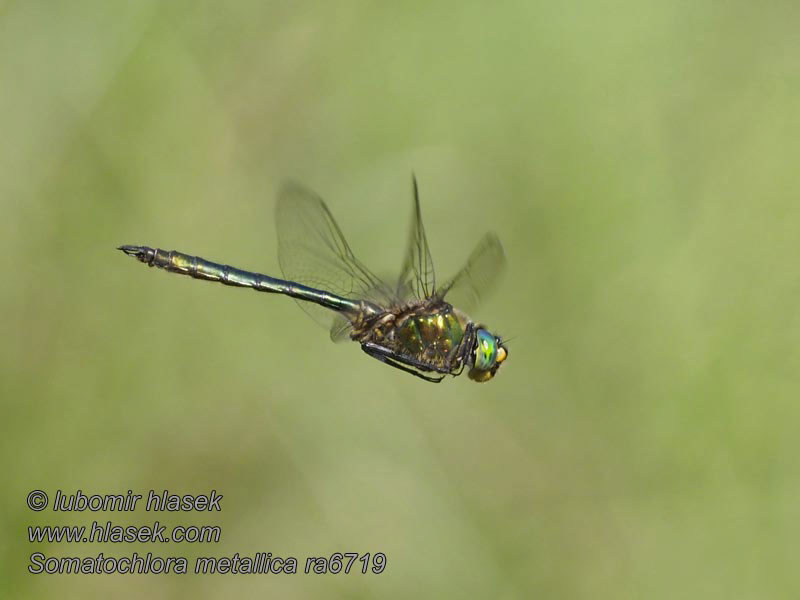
x,y
340,329
313,251
417,277
478,277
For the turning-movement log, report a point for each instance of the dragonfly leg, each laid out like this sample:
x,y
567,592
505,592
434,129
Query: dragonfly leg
x,y
392,359
406,360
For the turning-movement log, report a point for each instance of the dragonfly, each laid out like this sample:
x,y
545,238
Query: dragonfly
x,y
414,324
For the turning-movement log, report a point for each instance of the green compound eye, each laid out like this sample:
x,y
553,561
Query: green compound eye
x,y
485,351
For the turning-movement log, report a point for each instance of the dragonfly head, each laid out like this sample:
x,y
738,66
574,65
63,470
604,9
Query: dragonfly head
x,y
487,354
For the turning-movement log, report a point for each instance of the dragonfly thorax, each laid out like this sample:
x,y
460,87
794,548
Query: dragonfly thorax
x,y
430,332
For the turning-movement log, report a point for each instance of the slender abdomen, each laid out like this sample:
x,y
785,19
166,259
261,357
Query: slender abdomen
x,y
200,268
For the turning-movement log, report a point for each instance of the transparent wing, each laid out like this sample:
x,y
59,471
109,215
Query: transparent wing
x,y
478,277
417,277
313,251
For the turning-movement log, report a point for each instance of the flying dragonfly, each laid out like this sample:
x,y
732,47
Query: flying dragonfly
x,y
414,325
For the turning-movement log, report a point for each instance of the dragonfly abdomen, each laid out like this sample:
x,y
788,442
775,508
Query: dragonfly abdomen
x,y
200,268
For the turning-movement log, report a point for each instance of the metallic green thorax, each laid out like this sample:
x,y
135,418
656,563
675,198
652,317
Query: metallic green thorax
x,y
430,335
429,331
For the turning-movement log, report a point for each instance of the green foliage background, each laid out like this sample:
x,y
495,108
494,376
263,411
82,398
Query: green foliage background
x,y
639,161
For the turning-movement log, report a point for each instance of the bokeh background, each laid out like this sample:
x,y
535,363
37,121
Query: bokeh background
x,y
639,161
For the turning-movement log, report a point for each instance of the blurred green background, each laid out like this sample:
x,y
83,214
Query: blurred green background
x,y
639,161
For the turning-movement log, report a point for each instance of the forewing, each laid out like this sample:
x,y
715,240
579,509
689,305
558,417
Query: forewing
x,y
478,277
417,277
313,251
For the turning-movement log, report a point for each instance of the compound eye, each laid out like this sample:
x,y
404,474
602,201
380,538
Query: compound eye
x,y
485,350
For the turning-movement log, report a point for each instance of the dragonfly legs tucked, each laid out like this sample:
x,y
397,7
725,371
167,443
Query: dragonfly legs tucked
x,y
398,361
